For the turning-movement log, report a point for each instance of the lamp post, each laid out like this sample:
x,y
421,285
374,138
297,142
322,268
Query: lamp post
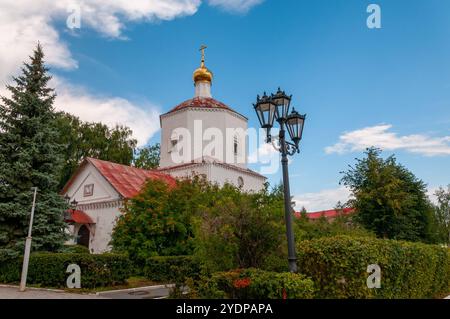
x,y
26,255
276,107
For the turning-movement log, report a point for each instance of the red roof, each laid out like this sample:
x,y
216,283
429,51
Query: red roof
x,y
126,180
202,102
327,213
79,217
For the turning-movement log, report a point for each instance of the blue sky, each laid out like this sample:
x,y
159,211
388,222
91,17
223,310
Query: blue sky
x,y
388,86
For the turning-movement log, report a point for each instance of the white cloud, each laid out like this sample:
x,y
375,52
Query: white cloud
x,y
327,199
239,6
143,119
380,136
25,22
264,154
322,200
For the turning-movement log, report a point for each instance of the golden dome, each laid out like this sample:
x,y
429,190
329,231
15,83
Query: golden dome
x,y
202,74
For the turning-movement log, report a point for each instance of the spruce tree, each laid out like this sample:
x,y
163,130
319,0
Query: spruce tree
x,y
30,157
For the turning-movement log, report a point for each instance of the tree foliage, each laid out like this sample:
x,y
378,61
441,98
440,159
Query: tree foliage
x,y
221,226
442,211
148,157
389,199
157,222
30,156
306,229
241,230
82,139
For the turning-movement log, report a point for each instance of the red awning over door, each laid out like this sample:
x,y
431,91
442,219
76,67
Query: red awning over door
x,y
78,216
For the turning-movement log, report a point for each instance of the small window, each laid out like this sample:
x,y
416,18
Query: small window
x,y
173,142
88,190
173,145
235,146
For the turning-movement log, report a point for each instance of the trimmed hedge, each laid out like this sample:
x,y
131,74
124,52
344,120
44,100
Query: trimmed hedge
x,y
75,249
338,266
256,284
171,268
49,269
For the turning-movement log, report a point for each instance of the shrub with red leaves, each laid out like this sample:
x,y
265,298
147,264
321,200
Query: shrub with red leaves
x,y
241,283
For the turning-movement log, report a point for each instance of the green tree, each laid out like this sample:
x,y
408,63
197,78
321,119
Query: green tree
x,y
442,211
30,156
241,230
221,226
389,199
148,157
82,139
157,222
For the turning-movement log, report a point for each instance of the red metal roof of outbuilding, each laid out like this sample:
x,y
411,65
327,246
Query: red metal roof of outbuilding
x,y
128,180
327,213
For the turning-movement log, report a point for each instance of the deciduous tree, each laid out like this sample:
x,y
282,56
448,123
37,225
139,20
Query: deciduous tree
x,y
389,199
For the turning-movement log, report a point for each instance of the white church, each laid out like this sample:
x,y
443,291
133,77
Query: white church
x,y
200,136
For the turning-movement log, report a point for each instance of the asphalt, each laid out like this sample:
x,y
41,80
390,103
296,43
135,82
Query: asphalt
x,y
151,292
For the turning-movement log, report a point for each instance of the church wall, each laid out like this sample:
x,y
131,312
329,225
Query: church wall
x,y
252,183
168,125
105,219
210,118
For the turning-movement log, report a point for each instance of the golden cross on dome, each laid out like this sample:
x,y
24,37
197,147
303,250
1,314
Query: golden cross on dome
x,y
202,48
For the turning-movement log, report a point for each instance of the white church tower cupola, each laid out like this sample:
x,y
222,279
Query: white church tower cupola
x,y
203,136
202,78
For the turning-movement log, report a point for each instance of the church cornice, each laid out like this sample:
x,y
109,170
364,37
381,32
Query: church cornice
x,y
101,205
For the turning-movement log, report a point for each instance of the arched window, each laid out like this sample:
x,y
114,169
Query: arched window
x,y
240,182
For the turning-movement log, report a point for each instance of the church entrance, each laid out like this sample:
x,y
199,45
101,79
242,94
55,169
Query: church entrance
x,y
83,236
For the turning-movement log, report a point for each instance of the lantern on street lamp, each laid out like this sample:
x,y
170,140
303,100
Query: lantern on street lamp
x,y
265,109
294,125
283,103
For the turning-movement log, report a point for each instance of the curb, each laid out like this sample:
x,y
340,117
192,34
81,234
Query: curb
x,y
47,289
136,289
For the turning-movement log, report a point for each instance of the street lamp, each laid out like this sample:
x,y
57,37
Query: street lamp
x,y
277,107
73,204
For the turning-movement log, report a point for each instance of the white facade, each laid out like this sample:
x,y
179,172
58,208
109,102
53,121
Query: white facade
x,y
220,173
103,207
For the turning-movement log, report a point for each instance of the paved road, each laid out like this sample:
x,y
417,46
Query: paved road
x,y
14,293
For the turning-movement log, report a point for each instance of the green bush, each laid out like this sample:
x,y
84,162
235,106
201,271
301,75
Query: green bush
x,y
338,266
75,249
256,284
171,268
49,269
